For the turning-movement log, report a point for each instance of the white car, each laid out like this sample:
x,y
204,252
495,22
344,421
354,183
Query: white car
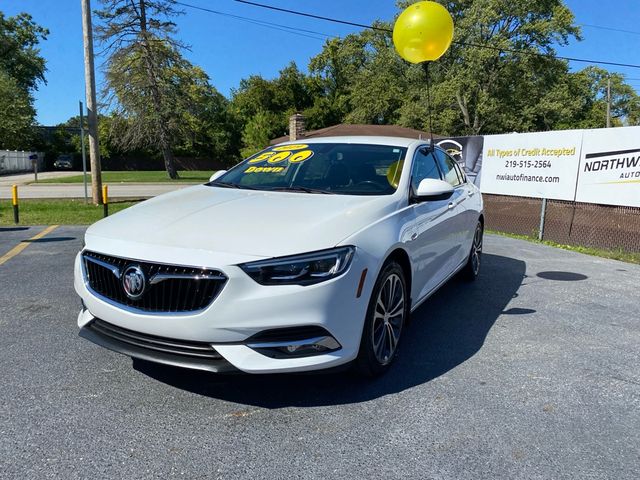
x,y
305,256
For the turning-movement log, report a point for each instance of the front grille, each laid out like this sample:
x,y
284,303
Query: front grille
x,y
187,348
169,288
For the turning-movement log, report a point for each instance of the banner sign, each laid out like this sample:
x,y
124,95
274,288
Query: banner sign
x,y
542,165
610,167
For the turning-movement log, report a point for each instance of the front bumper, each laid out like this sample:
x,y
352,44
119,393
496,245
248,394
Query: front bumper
x,y
136,346
242,310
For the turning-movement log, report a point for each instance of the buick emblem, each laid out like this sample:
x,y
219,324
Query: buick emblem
x,y
133,282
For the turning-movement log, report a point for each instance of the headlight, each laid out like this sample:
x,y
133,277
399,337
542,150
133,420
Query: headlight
x,y
306,269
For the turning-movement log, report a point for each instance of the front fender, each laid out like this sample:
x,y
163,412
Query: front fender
x,y
377,241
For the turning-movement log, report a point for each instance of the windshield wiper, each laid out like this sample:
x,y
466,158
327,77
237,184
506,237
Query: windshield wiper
x,y
298,188
232,185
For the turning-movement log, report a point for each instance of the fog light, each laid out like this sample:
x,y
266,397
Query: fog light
x,y
297,348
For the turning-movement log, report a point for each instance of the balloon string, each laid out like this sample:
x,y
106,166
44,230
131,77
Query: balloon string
x,y
425,65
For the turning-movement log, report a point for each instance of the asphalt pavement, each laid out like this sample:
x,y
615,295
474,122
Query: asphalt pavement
x,y
532,372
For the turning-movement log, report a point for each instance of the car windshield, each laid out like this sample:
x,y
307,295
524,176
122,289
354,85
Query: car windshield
x,y
339,168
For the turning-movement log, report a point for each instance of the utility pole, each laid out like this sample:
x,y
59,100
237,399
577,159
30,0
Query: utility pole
x,y
609,101
84,153
90,91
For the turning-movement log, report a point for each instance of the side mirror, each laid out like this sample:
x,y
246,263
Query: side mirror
x,y
217,175
431,189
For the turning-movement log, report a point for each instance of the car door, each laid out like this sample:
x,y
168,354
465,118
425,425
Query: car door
x,y
471,211
435,236
462,220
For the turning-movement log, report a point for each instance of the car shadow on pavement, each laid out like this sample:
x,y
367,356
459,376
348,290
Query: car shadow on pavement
x,y
447,330
50,239
13,229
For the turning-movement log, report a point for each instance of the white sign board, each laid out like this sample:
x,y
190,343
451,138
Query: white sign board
x,y
542,165
610,167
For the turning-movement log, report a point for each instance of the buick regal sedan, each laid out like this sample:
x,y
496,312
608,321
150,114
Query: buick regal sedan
x,y
305,256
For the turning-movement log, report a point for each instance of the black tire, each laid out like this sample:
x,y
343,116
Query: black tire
x,y
471,270
375,357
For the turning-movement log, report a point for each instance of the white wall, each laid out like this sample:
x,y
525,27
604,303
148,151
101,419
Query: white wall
x,y
15,162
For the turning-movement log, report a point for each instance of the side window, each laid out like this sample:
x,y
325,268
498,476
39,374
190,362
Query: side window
x,y
461,175
424,166
448,167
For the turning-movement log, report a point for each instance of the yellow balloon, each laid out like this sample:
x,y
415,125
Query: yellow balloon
x,y
423,32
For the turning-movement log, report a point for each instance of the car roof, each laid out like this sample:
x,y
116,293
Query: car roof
x,y
360,139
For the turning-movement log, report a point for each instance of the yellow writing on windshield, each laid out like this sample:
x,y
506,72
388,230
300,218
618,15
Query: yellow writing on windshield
x,y
287,148
264,170
277,156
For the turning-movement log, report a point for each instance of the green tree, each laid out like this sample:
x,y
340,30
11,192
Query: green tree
x,y
624,99
356,79
474,90
18,114
67,137
496,89
21,70
333,71
148,80
257,132
261,107
254,94
19,52
379,87
210,129
292,89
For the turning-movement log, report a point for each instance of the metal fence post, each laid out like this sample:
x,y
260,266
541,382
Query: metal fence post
x,y
543,211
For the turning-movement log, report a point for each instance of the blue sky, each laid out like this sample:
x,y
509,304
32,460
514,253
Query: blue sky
x,y
230,50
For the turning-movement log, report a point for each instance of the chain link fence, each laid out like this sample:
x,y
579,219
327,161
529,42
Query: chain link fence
x,y
566,222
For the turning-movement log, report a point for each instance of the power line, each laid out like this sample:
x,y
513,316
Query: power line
x,y
600,27
311,15
466,44
275,26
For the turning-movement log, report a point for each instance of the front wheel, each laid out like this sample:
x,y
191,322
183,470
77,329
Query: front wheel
x,y
472,268
386,315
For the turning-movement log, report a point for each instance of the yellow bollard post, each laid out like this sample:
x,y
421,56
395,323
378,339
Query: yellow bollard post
x,y
14,201
105,199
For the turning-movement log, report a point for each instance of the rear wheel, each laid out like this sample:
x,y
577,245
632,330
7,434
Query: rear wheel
x,y
386,315
471,270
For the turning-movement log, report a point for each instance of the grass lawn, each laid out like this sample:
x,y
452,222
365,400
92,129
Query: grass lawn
x,y
194,176
57,212
619,254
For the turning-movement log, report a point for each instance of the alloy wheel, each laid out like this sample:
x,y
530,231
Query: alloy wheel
x,y
476,250
388,318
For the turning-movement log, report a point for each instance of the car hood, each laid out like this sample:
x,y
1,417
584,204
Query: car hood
x,y
243,222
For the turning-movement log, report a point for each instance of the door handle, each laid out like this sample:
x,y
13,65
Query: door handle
x,y
471,193
451,205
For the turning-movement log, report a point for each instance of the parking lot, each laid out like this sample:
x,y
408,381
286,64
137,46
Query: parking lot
x,y
533,371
